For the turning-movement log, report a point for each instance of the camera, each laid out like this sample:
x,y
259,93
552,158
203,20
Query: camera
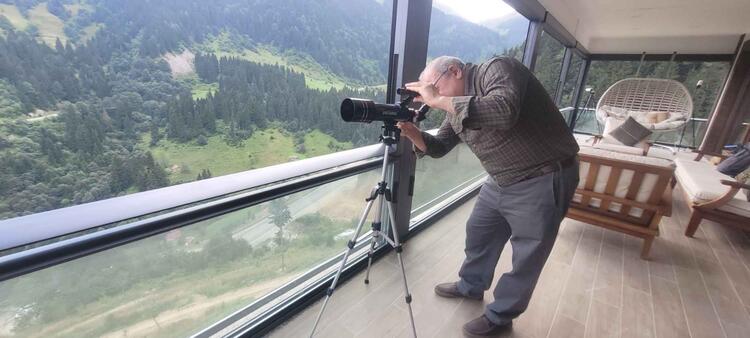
x,y
366,111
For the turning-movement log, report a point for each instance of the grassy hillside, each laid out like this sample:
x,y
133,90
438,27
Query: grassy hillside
x,y
316,76
271,146
15,17
201,90
50,27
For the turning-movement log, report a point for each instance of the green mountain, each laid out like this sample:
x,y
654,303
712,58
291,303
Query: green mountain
x,y
100,98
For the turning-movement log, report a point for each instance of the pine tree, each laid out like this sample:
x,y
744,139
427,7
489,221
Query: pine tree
x,y
280,216
155,134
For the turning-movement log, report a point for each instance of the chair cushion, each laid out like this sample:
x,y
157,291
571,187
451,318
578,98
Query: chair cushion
x,y
627,157
653,151
661,152
630,132
620,148
654,117
701,181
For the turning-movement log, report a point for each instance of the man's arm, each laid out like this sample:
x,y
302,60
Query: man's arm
x,y
505,86
440,144
428,144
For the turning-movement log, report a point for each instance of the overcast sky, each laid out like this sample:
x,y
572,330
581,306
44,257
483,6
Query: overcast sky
x,y
475,10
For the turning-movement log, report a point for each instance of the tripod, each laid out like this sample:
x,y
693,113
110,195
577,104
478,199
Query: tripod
x,y
379,196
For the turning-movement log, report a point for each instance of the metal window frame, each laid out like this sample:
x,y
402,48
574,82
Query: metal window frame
x,y
578,93
533,34
409,41
661,57
563,75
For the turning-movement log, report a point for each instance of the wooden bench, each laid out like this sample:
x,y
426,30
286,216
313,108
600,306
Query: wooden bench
x,y
622,192
711,195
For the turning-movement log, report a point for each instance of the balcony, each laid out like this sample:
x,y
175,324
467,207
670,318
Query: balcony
x,y
594,285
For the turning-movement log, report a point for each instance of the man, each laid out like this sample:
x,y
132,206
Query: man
x,y
502,112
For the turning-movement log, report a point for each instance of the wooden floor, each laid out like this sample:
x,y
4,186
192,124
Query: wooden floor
x,y
594,285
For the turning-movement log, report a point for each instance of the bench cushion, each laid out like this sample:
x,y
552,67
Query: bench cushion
x,y
738,205
701,181
620,148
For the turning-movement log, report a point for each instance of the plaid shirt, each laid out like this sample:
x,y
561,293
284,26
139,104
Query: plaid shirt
x,y
507,119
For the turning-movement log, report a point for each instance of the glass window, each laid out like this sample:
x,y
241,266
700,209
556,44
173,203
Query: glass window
x,y
439,179
571,80
99,100
549,56
602,74
178,283
476,30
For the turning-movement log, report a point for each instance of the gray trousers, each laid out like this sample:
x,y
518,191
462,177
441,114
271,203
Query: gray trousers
x,y
527,213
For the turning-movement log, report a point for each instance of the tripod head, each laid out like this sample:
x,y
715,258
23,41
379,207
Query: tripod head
x,y
391,134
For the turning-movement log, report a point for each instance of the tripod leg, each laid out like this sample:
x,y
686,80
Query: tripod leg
x,y
401,263
369,259
376,233
350,248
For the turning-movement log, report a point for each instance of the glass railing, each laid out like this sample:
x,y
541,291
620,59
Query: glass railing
x,y
177,283
213,275
586,121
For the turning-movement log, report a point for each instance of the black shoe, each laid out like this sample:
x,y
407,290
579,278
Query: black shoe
x,y
483,327
450,290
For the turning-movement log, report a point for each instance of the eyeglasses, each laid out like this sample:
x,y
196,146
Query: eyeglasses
x,y
434,84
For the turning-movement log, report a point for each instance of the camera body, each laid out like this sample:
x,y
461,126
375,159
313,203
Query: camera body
x,y
366,111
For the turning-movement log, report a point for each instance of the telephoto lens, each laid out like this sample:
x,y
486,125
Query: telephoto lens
x,y
366,111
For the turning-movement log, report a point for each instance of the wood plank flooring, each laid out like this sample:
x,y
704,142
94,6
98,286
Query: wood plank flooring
x,y
594,285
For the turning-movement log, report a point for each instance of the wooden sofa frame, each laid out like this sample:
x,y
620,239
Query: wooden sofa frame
x,y
658,204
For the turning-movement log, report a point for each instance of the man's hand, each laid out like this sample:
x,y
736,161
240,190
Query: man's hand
x,y
429,95
413,133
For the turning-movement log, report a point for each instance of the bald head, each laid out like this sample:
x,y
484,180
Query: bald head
x,y
446,73
441,64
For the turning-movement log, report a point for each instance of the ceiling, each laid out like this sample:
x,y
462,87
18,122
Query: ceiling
x,y
654,26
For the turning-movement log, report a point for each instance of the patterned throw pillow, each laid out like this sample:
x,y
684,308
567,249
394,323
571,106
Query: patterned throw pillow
x,y
630,132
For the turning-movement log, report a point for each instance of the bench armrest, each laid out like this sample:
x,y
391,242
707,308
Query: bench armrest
x,y
702,153
735,184
734,187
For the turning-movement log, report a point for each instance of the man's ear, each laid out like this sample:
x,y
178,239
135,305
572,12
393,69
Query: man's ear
x,y
457,72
